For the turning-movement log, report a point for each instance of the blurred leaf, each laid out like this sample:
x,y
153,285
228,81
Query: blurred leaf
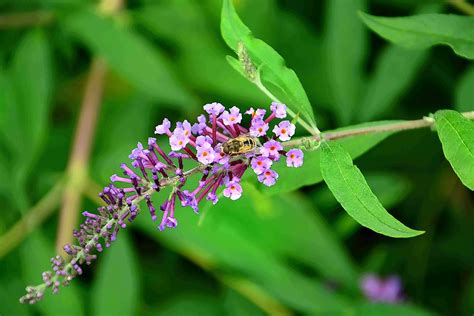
x,y
317,244
349,187
200,49
10,291
464,92
294,178
284,82
456,134
35,253
130,55
116,142
191,304
237,239
26,112
346,44
395,71
468,298
306,45
25,103
376,309
116,286
3,102
236,305
425,30
318,248
405,4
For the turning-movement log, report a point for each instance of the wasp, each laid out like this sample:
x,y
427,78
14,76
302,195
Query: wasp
x,y
240,145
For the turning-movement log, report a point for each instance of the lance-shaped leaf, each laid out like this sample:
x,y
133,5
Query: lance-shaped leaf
x,y
349,187
457,137
277,78
130,55
425,30
344,32
309,173
383,92
117,275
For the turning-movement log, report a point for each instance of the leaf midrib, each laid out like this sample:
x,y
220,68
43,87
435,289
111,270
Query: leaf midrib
x,y
459,136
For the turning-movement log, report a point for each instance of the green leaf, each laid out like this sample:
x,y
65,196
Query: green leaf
x,y
390,189
26,102
318,246
277,78
456,134
5,188
130,55
190,305
236,305
349,187
27,111
346,44
293,178
383,91
395,71
10,291
24,108
3,101
116,141
35,254
376,309
425,30
239,238
464,93
116,287
186,25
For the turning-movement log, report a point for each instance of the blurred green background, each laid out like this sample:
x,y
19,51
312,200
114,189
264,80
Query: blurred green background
x,y
294,253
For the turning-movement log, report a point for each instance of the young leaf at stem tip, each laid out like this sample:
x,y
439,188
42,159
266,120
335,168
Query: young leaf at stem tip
x,y
456,134
282,81
350,189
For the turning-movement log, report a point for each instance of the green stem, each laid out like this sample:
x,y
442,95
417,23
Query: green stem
x,y
389,127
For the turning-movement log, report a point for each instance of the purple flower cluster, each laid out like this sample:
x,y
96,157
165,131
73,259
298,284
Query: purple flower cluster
x,y
206,143
387,290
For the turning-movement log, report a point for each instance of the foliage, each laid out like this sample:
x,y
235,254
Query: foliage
x,y
287,249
